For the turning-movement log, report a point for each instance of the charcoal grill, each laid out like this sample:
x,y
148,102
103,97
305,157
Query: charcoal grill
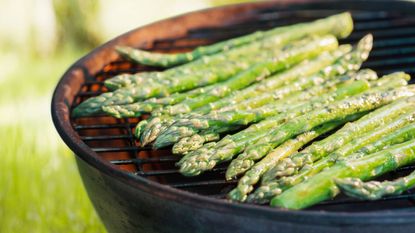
x,y
136,189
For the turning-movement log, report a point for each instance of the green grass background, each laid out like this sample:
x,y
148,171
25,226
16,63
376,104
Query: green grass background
x,y
40,189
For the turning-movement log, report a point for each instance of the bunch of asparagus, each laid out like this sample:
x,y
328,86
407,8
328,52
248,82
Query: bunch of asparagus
x,y
264,102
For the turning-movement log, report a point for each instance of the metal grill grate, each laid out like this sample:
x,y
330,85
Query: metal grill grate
x,y
112,139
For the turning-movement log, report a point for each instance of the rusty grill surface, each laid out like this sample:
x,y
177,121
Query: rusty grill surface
x,y
113,139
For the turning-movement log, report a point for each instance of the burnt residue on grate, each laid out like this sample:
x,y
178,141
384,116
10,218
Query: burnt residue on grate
x,y
113,139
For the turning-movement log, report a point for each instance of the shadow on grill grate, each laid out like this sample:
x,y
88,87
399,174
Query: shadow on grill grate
x,y
113,140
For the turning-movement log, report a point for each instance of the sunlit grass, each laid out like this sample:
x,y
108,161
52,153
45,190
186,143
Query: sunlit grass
x,y
40,189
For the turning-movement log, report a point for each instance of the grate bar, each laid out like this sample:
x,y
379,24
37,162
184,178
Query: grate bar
x,y
202,183
146,160
105,137
121,149
390,62
103,126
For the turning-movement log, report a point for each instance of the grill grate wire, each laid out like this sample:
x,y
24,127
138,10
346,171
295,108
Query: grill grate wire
x,y
113,139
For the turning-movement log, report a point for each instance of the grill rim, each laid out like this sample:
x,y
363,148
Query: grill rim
x,y
65,90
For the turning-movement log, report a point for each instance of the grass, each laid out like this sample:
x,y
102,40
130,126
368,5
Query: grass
x,y
40,189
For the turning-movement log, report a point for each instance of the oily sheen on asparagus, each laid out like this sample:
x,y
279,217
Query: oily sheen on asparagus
x,y
289,108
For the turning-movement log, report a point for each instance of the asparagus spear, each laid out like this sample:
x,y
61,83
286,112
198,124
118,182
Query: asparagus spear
x,y
289,56
195,68
217,120
194,142
274,187
251,154
319,149
199,66
404,134
245,114
258,71
291,128
304,69
150,105
340,25
251,177
322,186
256,131
159,86
191,143
344,62
374,190
349,62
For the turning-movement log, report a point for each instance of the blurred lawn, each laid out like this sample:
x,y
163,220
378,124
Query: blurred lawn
x,y
40,189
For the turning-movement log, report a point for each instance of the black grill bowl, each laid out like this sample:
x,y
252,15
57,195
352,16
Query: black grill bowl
x,y
135,189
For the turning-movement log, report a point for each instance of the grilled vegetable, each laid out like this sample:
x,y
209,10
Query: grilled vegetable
x,y
290,55
256,131
304,69
374,190
252,176
186,127
320,149
153,104
337,110
340,25
349,62
158,85
322,186
272,188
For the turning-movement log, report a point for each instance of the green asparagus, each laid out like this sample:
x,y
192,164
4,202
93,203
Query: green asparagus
x,y
349,62
374,190
292,164
291,55
150,105
246,158
322,186
217,120
274,187
251,177
256,131
340,25
243,79
298,125
158,86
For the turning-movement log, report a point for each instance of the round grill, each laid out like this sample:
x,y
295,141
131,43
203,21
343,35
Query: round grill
x,y
115,160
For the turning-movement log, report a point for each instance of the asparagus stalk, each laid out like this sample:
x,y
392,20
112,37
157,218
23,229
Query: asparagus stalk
x,y
217,120
253,114
322,186
158,85
304,69
289,56
274,187
194,142
349,62
340,25
247,158
404,134
256,131
298,125
251,177
150,105
374,190
197,68
191,143
320,149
